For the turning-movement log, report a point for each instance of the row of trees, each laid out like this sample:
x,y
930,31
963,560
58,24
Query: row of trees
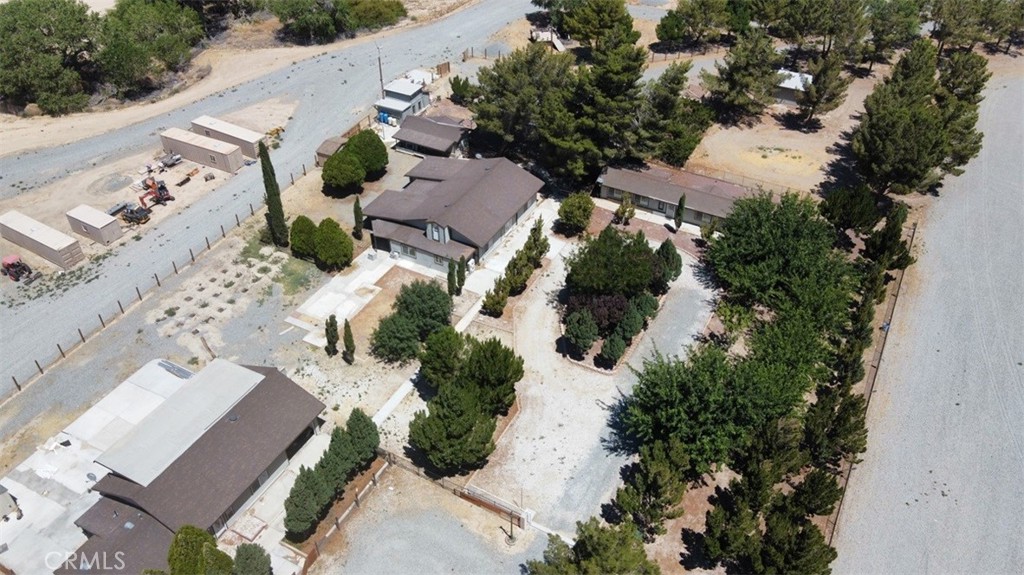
x,y
517,271
194,550
321,21
364,157
420,309
919,125
351,451
611,282
56,53
475,382
326,244
574,120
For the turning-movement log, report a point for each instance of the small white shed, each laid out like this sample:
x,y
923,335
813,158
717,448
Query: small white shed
x,y
790,84
41,239
94,224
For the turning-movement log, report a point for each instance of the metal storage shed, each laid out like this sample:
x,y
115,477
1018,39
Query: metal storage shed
x,y
41,239
202,150
245,139
94,224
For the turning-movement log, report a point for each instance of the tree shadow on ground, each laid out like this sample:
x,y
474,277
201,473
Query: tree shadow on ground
x,y
704,275
619,440
794,121
340,193
539,19
841,173
695,555
419,459
422,387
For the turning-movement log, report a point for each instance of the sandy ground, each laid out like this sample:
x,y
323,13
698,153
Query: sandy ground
x,y
229,66
777,157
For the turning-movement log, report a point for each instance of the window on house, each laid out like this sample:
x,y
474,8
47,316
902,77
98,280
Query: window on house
x,y
616,194
409,251
207,132
661,206
439,260
641,201
213,159
435,232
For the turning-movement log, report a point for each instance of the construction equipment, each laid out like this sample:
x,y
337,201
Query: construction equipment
x,y
156,190
16,269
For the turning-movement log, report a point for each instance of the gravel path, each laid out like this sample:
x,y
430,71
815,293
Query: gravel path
x,y
332,90
940,488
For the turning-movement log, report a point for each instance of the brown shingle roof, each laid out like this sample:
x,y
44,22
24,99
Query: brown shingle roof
x,y
416,238
473,197
427,133
703,194
215,470
125,540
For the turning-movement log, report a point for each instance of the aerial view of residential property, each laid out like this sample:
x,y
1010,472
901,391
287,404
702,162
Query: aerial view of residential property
x,y
520,287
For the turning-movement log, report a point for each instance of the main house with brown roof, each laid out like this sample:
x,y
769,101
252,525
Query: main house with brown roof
x,y
194,460
452,208
659,189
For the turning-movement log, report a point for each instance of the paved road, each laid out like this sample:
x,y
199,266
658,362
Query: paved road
x,y
940,489
333,91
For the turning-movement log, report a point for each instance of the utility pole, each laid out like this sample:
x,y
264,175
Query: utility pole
x,y
380,71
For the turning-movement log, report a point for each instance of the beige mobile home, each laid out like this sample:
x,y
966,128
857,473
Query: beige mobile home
x,y
41,239
245,139
94,224
202,150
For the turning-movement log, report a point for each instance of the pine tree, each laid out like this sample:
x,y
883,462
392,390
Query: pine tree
x,y
456,435
357,216
887,246
365,436
655,487
492,371
303,236
302,509
962,77
337,463
453,281
331,332
745,83
349,354
893,24
581,330
460,273
275,211
598,549
251,559
827,89
442,356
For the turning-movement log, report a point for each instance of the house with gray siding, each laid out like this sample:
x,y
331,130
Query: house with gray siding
x,y
658,189
451,208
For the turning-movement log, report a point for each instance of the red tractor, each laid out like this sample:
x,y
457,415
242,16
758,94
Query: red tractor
x,y
157,191
16,269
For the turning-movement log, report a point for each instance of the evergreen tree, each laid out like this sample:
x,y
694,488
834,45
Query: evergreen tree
x,y
745,84
827,90
215,561
460,274
331,332
817,494
1000,18
802,20
887,246
275,211
367,147
625,212
574,213
851,208
677,218
693,21
844,28
613,348
333,246
365,436
344,172
671,126
185,555
892,24
456,435
740,14
581,330
496,298
957,23
442,356
655,487
303,238
962,77
357,217
426,304
598,549
492,371
251,559
671,261
396,339
453,281
349,343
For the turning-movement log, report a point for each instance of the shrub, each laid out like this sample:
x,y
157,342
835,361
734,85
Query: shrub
x,y
496,298
574,214
303,238
373,14
367,147
518,272
581,330
251,559
606,310
646,304
186,552
426,304
613,348
333,246
343,171
395,340
631,324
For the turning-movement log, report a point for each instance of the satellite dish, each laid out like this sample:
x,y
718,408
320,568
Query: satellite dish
x,y
90,476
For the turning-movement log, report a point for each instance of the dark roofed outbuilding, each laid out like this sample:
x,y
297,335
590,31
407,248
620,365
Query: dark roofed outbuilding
x,y
424,135
659,189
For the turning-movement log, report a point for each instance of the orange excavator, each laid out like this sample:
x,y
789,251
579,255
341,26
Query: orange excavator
x,y
155,190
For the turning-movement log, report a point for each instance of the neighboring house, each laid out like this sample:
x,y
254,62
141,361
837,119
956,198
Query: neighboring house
x,y
196,459
403,97
429,136
658,189
452,208
790,84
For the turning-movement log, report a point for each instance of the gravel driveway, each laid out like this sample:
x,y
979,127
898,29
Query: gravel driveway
x,y
333,91
940,487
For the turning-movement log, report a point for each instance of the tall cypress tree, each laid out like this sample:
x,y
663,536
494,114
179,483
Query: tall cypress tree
x,y
357,215
460,273
350,344
275,211
453,280
331,332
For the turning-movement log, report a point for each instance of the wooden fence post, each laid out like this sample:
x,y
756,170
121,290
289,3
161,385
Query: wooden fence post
x,y
207,242
39,367
120,306
103,323
81,335
222,231
16,384
138,293
61,350
175,268
158,278
192,255
238,223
